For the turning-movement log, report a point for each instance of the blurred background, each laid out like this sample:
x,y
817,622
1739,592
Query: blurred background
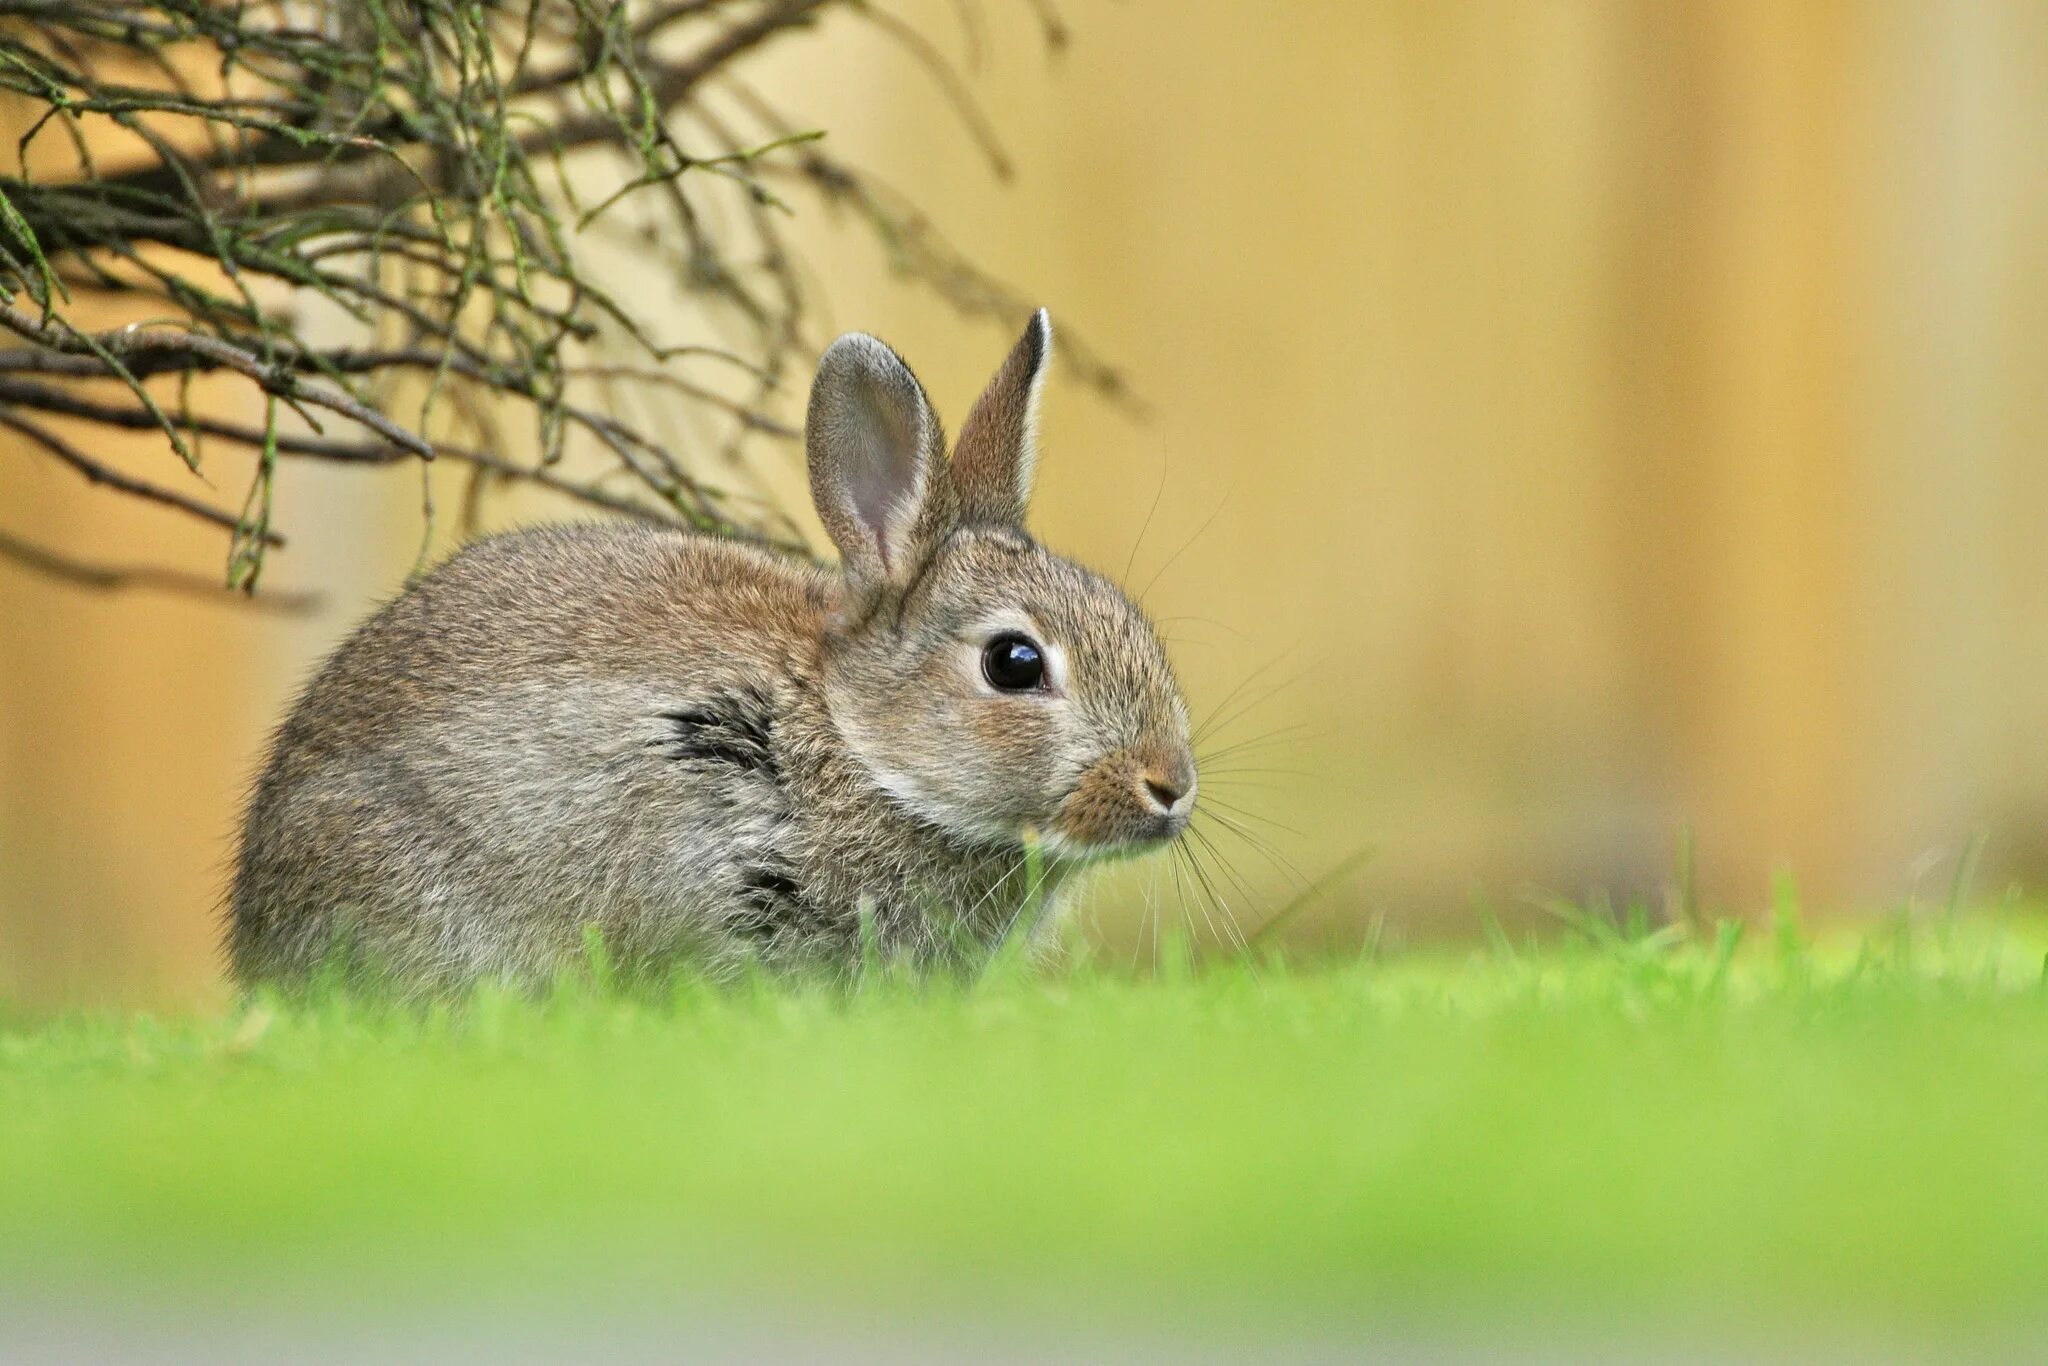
x,y
1572,430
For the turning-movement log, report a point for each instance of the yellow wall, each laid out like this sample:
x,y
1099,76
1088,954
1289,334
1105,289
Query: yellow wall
x,y
1608,416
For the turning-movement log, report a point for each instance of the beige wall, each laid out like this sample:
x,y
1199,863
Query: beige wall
x,y
1629,412
1609,416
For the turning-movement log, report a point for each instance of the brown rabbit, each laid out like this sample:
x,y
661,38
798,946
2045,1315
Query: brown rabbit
x,y
712,753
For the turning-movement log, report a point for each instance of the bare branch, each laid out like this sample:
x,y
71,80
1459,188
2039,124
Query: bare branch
x,y
427,171
15,393
106,578
192,351
98,473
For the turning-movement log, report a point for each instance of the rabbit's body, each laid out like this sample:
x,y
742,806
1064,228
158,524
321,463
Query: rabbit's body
x,y
705,751
455,812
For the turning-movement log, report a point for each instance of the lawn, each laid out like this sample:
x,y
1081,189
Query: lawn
x,y
1612,1124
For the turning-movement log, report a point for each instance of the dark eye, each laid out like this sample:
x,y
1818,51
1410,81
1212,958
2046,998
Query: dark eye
x,y
1013,663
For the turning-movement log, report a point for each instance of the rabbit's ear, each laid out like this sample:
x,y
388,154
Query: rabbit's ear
x,y
992,465
875,449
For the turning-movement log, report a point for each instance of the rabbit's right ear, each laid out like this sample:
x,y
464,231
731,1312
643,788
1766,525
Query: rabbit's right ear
x,y
875,449
992,464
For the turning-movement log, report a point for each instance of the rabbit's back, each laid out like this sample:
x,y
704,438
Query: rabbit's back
x,y
558,729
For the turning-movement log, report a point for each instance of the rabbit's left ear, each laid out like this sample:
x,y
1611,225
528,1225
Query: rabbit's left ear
x,y
992,464
875,453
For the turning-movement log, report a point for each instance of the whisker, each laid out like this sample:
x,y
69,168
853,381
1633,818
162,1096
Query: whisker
x,y
1180,899
1330,877
1153,897
1218,724
967,918
1200,846
1299,732
1206,621
1150,513
1231,783
1187,856
1263,847
994,888
1207,919
1215,802
1208,722
1233,933
1029,901
1158,573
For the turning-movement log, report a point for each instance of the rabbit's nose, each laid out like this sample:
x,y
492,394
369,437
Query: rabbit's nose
x,y
1165,785
1164,794
1169,791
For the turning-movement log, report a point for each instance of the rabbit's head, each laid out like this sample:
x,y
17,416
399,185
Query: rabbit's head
x,y
989,686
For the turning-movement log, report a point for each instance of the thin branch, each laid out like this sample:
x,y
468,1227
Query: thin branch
x,y
925,54
191,350
417,167
98,473
106,578
21,393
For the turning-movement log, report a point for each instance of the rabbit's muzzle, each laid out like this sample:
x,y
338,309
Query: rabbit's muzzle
x,y
1131,799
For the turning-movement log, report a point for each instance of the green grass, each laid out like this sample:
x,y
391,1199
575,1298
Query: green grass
x,y
1624,1122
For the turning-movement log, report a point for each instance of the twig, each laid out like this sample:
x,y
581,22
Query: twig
x,y
407,164
97,473
181,350
23,393
114,577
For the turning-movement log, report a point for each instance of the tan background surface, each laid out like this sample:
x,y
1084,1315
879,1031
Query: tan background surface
x,y
1610,417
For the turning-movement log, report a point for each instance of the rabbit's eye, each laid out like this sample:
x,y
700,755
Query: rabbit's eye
x,y
1013,663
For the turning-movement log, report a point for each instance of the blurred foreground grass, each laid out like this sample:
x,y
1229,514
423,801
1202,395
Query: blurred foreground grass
x,y
1620,1122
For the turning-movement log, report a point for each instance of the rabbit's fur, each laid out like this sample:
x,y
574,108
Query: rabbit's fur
x,y
713,753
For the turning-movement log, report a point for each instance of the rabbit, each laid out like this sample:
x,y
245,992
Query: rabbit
x,y
706,752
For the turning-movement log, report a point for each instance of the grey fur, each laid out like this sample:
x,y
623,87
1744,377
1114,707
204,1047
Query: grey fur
x,y
711,753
